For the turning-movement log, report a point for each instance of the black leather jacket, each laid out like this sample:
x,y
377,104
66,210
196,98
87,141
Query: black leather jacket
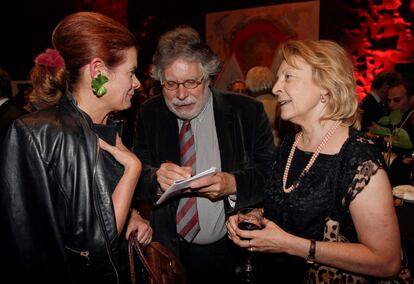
x,y
56,212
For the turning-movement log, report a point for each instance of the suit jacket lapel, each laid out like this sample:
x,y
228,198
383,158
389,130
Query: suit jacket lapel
x,y
168,131
379,106
224,119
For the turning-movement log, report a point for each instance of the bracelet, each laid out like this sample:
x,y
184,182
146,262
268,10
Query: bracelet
x,y
312,249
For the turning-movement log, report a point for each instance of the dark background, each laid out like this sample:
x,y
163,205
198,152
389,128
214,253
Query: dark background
x,y
26,26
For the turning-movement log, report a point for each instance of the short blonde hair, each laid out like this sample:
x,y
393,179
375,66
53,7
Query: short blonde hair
x,y
333,70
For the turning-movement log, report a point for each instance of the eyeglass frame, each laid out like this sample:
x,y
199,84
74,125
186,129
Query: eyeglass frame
x,y
177,84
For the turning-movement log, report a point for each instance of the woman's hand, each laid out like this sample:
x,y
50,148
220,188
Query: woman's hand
x,y
137,223
232,227
122,195
121,153
269,239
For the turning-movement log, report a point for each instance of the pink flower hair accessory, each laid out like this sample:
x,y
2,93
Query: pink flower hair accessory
x,y
51,57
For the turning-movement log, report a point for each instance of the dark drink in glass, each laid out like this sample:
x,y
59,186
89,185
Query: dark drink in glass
x,y
248,226
248,219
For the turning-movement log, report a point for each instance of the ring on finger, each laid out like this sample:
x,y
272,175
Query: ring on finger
x,y
250,248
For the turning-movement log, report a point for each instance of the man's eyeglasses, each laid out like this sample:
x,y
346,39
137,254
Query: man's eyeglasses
x,y
188,84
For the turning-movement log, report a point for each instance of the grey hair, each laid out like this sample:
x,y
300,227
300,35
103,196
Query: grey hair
x,y
184,43
260,79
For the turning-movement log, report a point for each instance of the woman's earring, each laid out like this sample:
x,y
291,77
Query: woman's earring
x,y
323,99
97,85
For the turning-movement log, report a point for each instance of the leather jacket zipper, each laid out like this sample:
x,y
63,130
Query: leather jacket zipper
x,y
95,201
98,212
83,253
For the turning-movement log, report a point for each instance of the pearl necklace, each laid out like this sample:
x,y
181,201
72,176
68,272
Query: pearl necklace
x,y
311,161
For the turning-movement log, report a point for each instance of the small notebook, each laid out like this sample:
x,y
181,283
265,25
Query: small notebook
x,y
180,185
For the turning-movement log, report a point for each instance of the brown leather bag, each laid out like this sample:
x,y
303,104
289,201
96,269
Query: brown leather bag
x,y
160,265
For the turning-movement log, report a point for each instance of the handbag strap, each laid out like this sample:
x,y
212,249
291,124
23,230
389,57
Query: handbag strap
x,y
131,260
133,244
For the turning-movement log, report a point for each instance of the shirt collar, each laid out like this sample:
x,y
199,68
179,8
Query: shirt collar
x,y
3,100
376,97
207,108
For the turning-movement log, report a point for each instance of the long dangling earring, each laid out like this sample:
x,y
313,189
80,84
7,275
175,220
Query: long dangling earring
x,y
323,99
97,85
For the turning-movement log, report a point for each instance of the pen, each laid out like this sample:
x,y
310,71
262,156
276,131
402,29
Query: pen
x,y
168,161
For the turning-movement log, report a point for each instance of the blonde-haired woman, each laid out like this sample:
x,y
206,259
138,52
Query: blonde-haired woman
x,y
327,178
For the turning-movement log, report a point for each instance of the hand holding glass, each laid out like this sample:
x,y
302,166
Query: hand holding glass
x,y
249,219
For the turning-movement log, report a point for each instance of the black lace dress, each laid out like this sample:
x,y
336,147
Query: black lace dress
x,y
325,191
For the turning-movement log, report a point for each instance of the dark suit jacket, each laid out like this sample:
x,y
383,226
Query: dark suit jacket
x,y
9,111
371,112
246,149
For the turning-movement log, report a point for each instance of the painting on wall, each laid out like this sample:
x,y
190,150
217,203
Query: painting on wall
x,y
249,37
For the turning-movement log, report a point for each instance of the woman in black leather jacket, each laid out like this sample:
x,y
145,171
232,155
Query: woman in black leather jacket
x,y
66,179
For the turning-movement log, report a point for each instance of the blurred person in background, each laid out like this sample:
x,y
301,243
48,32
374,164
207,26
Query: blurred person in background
x,y
259,83
9,110
401,97
21,98
373,105
238,86
48,80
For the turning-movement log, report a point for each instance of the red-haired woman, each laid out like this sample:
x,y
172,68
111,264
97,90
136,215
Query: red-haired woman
x,y
66,179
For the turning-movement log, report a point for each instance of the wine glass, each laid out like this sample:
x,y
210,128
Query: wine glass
x,y
248,219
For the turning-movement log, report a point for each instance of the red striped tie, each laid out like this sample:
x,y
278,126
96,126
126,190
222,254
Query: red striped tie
x,y
187,214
